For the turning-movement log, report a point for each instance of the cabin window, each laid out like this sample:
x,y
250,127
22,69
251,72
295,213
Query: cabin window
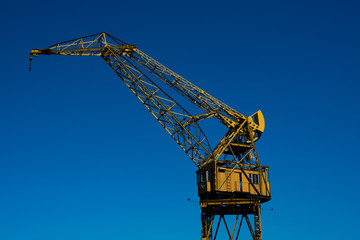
x,y
208,176
240,180
203,176
254,178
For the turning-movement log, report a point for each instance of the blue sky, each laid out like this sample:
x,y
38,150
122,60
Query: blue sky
x,y
81,158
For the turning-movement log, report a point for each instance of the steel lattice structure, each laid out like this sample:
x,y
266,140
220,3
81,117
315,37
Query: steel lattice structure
x,y
231,180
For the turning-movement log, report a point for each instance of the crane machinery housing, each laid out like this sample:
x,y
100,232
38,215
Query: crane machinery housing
x,y
230,179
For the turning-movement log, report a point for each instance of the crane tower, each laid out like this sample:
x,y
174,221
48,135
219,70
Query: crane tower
x,y
230,179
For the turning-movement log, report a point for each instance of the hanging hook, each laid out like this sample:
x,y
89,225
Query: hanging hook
x,y
30,58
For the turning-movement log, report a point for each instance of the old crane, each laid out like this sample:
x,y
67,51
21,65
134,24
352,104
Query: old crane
x,y
231,181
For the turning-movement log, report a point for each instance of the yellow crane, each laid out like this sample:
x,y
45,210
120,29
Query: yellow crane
x,y
230,179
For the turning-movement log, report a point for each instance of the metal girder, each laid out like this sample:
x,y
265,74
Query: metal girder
x,y
175,119
193,93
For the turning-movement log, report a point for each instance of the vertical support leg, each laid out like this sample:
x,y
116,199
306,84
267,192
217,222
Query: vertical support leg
x,y
207,220
257,221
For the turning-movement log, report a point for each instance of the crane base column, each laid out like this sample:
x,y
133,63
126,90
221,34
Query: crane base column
x,y
216,212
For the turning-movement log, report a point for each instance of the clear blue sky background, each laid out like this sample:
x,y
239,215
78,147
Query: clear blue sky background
x,y
81,158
